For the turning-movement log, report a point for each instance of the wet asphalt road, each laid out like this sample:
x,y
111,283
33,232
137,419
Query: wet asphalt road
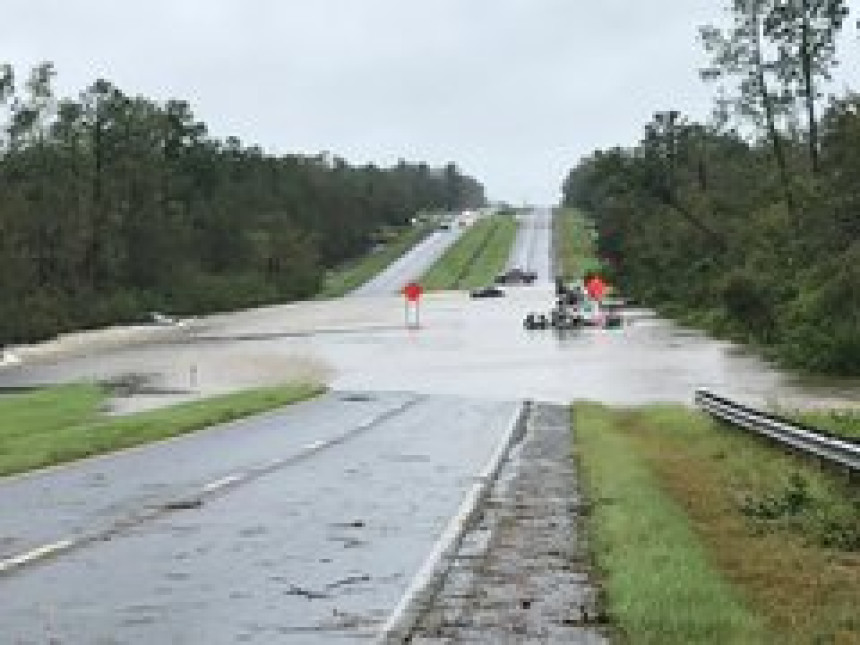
x,y
315,550
533,244
410,266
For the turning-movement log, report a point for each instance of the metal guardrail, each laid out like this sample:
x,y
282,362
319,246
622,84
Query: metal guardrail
x,y
792,434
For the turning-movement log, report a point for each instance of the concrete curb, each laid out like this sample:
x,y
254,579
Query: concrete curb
x,y
426,583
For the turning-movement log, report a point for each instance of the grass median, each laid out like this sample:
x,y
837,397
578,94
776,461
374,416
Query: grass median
x,y
477,257
707,535
64,423
574,244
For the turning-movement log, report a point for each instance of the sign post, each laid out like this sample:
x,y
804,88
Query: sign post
x,y
412,294
595,287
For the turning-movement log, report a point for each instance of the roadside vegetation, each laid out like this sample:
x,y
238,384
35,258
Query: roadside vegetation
x,y
114,205
64,423
746,225
575,240
705,534
393,243
838,422
842,423
477,257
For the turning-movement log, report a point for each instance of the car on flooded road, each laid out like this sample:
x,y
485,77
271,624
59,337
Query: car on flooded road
x,y
490,291
516,276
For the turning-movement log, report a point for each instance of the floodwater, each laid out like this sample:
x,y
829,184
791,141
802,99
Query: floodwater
x,y
464,347
532,248
478,348
328,507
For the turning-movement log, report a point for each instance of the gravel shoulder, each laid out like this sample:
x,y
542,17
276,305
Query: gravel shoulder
x,y
522,573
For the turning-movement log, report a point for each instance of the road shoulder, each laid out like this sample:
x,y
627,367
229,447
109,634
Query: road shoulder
x,y
522,572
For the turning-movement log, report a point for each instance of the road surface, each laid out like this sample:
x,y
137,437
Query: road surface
x,y
533,244
301,526
412,265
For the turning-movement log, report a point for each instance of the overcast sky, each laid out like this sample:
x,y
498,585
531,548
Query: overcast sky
x,y
513,91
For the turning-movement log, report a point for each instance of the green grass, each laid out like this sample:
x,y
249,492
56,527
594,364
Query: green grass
x,y
477,257
64,423
340,281
660,585
844,423
755,544
575,246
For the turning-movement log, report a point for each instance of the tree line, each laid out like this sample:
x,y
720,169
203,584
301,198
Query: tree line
x,y
112,205
748,224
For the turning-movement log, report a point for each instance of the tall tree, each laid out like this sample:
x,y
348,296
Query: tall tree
x,y
805,32
740,51
111,205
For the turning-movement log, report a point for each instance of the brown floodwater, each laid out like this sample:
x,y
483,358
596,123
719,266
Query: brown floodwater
x,y
466,347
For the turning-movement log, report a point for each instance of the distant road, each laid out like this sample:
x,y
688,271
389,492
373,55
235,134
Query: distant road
x,y
411,265
533,245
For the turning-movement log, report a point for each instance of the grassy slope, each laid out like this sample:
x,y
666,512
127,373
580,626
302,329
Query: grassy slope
x,y
845,423
61,424
476,258
344,279
706,536
660,586
574,244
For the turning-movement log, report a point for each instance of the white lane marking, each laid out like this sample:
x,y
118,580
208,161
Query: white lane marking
x,y
222,483
54,548
35,554
402,620
316,445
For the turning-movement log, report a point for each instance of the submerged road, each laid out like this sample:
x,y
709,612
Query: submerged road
x,y
533,245
300,526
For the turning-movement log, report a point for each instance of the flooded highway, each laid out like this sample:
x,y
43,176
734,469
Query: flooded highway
x,y
532,249
305,525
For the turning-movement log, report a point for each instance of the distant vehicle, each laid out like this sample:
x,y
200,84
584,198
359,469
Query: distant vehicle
x,y
7,357
569,295
516,276
613,320
157,318
563,317
445,226
490,291
536,321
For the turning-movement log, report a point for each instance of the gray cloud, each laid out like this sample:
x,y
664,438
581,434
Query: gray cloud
x,y
513,90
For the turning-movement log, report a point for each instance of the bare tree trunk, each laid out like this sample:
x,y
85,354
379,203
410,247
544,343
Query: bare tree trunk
x,y
809,89
770,115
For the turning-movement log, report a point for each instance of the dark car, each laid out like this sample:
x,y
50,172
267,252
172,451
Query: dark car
x,y
490,291
536,321
516,276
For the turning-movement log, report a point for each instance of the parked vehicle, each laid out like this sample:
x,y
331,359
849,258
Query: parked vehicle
x,y
490,291
516,276
536,321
